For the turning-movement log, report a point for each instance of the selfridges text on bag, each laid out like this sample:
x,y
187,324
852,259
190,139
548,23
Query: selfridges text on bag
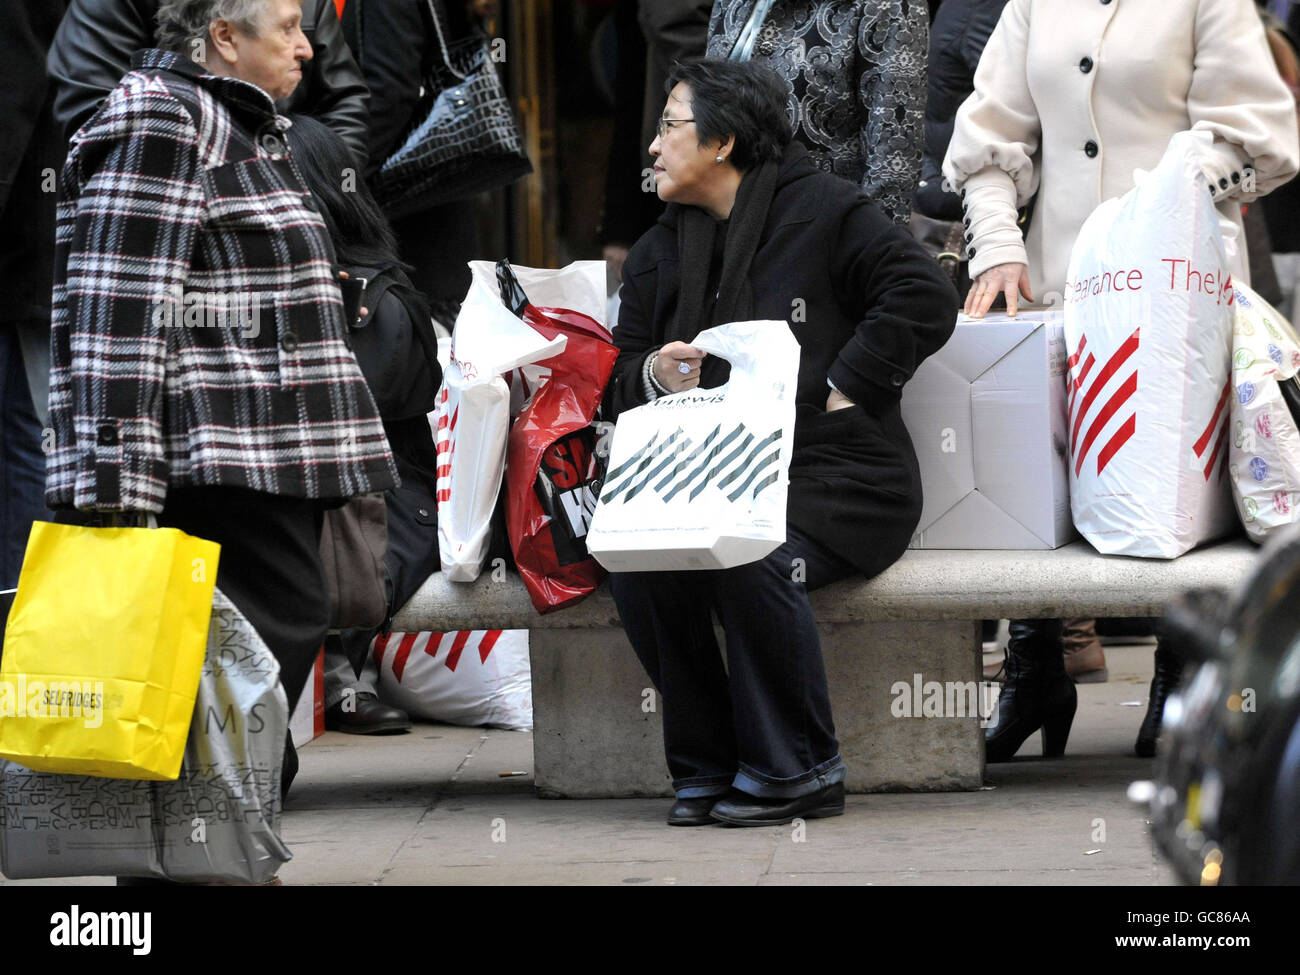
x,y
1264,454
218,821
1147,328
473,419
698,479
553,469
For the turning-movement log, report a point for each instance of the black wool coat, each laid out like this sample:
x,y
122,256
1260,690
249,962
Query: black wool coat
x,y
867,306
957,38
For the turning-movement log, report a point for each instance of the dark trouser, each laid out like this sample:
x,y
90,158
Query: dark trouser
x,y
22,465
763,725
269,567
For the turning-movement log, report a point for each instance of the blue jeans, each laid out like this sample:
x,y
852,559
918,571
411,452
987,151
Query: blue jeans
x,y
763,725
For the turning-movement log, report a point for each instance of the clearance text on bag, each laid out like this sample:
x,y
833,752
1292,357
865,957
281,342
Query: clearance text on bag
x,y
1182,277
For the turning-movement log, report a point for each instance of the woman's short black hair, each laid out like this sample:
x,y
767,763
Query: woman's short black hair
x,y
737,98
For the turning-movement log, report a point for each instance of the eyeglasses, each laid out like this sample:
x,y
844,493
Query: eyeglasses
x,y
661,125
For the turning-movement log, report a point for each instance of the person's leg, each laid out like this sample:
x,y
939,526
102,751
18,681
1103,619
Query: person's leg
x,y
270,568
668,622
1038,692
1085,660
1168,674
352,702
22,467
784,730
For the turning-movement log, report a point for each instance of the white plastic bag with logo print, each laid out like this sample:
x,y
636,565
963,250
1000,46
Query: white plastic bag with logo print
x,y
698,479
1148,324
472,419
1264,448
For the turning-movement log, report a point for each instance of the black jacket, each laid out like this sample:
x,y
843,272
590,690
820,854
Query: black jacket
x,y
97,38
31,150
960,30
394,43
869,305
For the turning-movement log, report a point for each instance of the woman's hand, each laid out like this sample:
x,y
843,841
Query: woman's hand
x,y
1000,279
668,366
838,401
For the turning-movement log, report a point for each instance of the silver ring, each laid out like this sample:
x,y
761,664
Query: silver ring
x,y
683,368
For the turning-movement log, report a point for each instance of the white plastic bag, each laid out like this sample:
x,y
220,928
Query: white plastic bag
x,y
467,677
698,479
473,419
1147,330
1264,456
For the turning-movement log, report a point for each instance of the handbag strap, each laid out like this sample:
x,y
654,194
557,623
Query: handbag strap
x,y
743,49
436,14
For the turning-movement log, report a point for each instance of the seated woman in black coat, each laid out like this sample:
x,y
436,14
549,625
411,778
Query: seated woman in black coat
x,y
755,231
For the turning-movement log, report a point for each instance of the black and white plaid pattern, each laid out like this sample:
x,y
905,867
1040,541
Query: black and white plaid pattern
x,y
198,332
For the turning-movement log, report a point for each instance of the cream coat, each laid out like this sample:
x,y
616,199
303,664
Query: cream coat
x,y
1155,67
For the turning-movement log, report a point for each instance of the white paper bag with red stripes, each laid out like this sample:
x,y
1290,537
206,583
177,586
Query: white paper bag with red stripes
x,y
466,677
1148,326
473,419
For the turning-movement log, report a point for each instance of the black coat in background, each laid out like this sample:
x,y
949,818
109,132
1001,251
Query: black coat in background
x,y
869,305
97,38
31,151
960,30
394,43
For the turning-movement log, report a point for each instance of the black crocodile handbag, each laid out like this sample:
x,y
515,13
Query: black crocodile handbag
x,y
465,140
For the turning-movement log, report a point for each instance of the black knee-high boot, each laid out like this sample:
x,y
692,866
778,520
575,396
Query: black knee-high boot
x,y
1038,693
1169,671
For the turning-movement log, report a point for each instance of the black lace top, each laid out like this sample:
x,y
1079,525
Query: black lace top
x,y
857,74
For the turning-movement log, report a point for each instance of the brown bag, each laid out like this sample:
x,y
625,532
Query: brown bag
x,y
352,545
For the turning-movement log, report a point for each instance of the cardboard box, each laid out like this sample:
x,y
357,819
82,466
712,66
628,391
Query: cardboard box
x,y
987,416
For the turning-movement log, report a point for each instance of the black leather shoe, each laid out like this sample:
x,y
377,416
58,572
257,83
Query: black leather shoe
x,y
692,812
368,717
742,809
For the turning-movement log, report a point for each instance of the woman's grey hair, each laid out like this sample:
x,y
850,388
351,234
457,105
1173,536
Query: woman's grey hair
x,y
181,22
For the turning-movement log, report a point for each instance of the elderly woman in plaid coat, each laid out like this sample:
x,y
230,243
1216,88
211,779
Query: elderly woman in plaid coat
x,y
201,369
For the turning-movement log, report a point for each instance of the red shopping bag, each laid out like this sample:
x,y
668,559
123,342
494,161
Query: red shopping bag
x,y
553,473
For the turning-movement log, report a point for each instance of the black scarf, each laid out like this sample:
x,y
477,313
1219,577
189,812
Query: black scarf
x,y
695,247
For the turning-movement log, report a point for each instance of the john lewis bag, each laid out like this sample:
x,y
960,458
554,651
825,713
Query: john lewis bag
x,y
1264,454
1147,329
698,479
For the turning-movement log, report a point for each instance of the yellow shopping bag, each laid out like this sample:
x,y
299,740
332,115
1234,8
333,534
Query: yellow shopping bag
x,y
103,650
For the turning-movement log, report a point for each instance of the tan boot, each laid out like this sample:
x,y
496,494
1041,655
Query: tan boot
x,y
1085,661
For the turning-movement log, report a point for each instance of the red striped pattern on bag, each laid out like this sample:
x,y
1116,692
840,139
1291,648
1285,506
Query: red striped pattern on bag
x,y
1080,403
431,643
1218,419
446,446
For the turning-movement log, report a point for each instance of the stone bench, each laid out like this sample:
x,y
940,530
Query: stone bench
x,y
597,730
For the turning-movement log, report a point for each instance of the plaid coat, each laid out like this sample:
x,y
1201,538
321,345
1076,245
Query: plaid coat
x,y
198,329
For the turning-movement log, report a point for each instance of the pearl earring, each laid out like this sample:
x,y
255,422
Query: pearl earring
x,y
719,159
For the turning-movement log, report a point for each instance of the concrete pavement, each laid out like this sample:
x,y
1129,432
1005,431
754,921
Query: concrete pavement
x,y
432,807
